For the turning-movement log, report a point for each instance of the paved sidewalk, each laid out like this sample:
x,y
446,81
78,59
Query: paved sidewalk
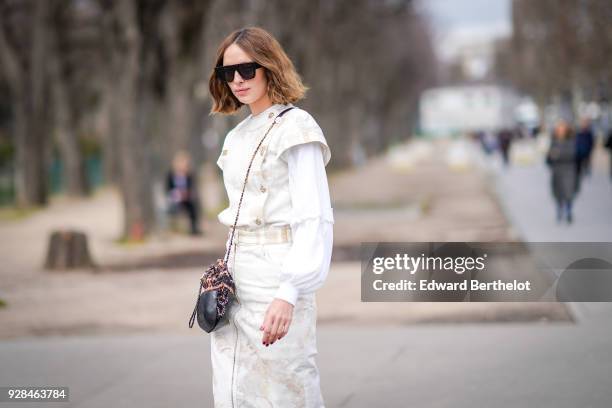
x,y
430,366
523,189
424,191
525,194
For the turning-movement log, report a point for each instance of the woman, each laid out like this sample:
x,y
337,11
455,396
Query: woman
x,y
265,357
180,190
562,159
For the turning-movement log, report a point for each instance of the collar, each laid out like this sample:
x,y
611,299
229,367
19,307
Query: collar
x,y
265,117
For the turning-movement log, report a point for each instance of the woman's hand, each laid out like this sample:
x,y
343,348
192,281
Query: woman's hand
x,y
277,321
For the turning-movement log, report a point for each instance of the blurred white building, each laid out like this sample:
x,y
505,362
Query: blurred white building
x,y
459,109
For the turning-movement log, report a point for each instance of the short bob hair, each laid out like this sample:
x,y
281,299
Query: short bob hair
x,y
284,83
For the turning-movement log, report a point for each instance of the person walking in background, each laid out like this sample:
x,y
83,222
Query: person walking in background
x,y
608,145
504,138
180,190
584,147
562,159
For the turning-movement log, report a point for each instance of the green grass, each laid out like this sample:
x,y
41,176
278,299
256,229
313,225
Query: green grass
x,y
16,214
426,204
129,242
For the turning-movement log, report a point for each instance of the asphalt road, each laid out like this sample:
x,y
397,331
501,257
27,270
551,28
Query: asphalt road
x,y
501,365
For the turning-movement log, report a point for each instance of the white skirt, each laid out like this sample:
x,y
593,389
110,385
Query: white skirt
x,y
245,372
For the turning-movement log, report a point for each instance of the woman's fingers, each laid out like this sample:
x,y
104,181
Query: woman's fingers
x,y
276,322
286,330
283,328
282,331
267,328
275,330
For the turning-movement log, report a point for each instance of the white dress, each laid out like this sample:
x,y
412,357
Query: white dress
x,y
287,186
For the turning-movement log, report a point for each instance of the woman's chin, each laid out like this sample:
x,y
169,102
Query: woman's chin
x,y
243,99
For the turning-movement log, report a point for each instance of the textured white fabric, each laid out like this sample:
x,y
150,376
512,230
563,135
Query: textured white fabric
x,y
245,372
287,186
267,197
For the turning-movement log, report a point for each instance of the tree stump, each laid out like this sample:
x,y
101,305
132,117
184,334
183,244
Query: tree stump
x,y
68,249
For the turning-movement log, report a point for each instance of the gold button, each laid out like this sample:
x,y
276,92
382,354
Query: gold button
x,y
270,115
262,189
258,221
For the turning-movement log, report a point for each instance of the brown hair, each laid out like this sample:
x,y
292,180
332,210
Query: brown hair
x,y
284,83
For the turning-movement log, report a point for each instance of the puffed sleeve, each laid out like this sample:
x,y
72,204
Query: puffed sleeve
x,y
301,128
306,266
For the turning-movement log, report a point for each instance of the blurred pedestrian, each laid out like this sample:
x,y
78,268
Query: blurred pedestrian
x,y
562,159
608,145
504,138
584,147
180,190
486,140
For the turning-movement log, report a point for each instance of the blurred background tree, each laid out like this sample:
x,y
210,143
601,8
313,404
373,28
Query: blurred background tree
x,y
132,76
560,51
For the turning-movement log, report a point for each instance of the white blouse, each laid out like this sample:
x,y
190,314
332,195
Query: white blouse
x,y
287,185
306,266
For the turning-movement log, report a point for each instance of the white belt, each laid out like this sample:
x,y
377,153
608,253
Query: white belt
x,y
264,235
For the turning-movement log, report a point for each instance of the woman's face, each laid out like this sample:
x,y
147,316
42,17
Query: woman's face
x,y
561,130
181,164
246,91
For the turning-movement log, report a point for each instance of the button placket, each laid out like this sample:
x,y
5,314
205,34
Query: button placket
x,y
262,187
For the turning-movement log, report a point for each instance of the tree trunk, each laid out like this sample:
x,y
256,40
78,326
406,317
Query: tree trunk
x,y
136,189
68,250
75,182
27,81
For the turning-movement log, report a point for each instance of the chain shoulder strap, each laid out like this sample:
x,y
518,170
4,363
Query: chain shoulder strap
x,y
229,248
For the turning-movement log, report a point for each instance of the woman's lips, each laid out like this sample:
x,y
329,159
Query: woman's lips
x,y
242,91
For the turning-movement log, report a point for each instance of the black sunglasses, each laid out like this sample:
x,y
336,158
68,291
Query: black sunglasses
x,y
246,71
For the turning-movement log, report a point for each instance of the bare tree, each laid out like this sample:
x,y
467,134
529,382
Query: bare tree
x,y
23,36
142,64
65,89
558,48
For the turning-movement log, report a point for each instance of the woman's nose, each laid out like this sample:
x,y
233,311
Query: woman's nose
x,y
237,77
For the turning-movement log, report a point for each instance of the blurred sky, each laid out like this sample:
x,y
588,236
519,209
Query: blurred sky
x,y
459,22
